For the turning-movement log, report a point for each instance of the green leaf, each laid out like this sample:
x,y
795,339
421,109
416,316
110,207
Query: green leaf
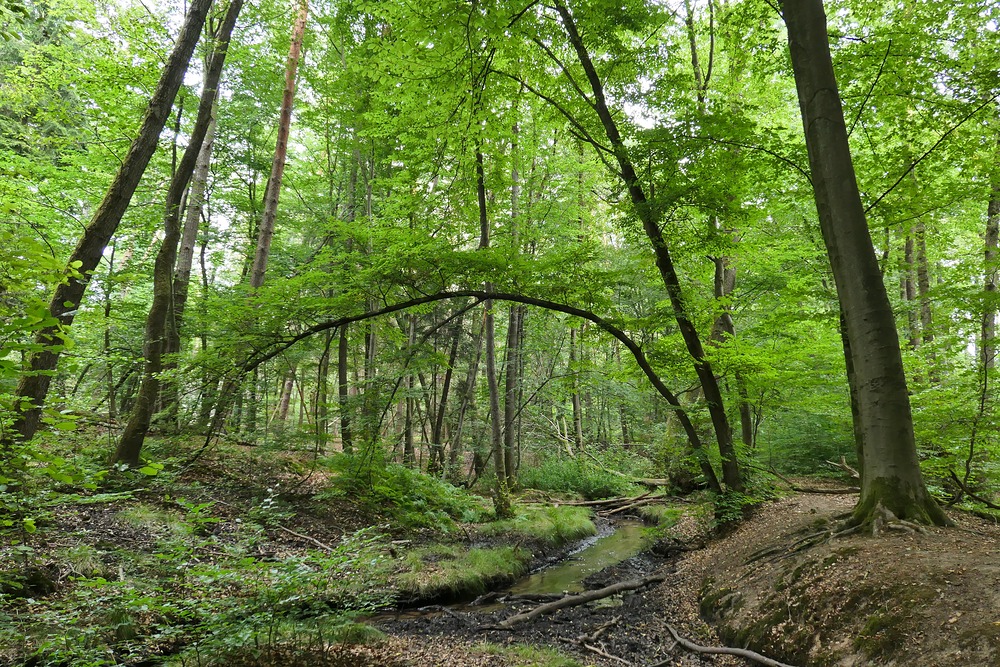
x,y
29,525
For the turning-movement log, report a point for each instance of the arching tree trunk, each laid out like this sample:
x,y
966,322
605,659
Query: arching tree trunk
x,y
891,478
650,219
34,384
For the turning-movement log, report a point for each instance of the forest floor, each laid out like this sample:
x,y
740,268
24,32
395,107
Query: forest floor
x,y
144,575
915,599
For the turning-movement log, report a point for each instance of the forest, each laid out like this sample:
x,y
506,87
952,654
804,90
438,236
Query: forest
x,y
323,323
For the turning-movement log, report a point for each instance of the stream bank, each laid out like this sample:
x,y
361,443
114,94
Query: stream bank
x,y
628,626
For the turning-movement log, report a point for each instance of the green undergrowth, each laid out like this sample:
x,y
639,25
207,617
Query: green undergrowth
x,y
452,571
591,480
547,526
171,599
520,655
410,498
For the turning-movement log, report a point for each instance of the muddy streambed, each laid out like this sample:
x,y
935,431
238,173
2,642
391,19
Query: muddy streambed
x,y
628,626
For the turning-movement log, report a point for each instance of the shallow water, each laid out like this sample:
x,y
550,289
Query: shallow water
x,y
626,539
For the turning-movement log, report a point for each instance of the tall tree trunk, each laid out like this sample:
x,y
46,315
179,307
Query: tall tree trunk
x,y
437,464
467,401
988,343
161,310
323,395
910,291
512,367
650,219
891,475
285,400
408,451
265,231
346,438
106,351
501,497
34,384
575,392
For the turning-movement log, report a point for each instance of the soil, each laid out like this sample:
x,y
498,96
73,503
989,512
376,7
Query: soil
x,y
900,598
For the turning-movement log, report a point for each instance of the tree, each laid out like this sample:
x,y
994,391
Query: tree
x,y
155,343
34,385
890,472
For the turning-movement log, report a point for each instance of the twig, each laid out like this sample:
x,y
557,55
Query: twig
x,y
718,650
305,537
966,491
575,600
601,652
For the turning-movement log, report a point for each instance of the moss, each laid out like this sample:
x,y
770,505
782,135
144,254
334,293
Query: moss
x,y
881,636
904,500
551,526
450,572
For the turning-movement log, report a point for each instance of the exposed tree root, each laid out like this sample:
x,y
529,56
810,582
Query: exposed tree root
x,y
575,600
718,650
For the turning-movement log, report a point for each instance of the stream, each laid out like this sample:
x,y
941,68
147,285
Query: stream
x,y
611,546
623,626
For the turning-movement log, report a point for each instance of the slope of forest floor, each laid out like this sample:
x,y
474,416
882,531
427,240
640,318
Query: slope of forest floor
x,y
239,561
901,598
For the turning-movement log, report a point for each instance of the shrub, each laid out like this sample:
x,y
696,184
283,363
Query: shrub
x,y
578,476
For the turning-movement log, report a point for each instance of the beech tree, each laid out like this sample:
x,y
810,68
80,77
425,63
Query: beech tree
x,y
890,472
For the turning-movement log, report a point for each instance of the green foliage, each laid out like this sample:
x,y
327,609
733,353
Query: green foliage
x,y
577,475
454,571
223,609
551,526
411,498
528,656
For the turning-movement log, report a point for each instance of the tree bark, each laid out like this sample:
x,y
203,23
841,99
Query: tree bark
x,y
650,220
437,464
501,499
988,343
346,437
266,230
34,384
161,310
891,476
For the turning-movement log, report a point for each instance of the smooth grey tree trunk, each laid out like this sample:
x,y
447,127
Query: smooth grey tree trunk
x,y
265,231
891,478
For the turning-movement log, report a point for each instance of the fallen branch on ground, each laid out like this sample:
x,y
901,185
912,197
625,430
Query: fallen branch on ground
x,y
813,489
603,501
582,598
718,650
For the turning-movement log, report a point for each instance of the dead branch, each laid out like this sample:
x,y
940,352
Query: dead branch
x,y
969,493
638,503
576,600
718,650
603,501
811,489
846,468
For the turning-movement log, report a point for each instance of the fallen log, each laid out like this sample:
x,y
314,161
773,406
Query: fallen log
x,y
718,650
603,501
576,600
